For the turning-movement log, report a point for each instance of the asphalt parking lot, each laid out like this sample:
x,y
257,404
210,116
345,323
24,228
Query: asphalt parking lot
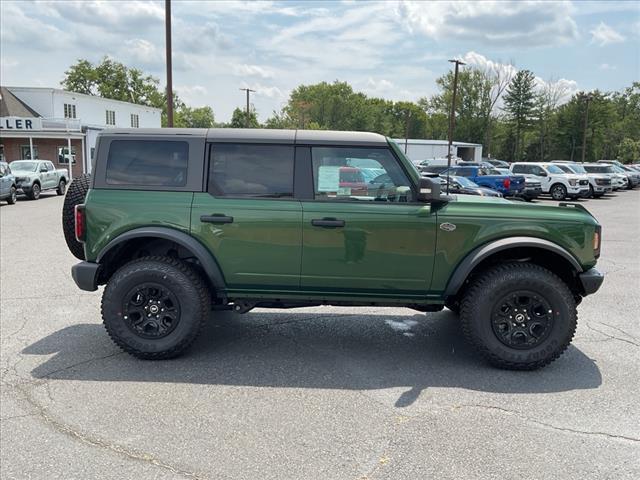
x,y
318,393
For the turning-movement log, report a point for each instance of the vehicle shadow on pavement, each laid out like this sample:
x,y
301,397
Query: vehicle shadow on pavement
x,y
313,350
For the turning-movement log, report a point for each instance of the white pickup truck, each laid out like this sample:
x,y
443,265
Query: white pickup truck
x,y
36,176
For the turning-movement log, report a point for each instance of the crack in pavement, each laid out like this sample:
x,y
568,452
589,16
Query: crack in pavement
x,y
612,337
67,430
574,431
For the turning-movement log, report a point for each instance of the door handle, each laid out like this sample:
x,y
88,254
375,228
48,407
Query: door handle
x,y
327,223
216,218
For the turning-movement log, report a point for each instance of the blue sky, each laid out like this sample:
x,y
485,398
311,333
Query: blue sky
x,y
390,49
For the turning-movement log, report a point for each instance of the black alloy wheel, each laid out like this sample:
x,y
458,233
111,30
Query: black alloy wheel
x,y
522,319
151,310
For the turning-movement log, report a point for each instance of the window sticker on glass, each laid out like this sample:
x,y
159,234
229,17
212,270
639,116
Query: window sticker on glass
x,y
328,178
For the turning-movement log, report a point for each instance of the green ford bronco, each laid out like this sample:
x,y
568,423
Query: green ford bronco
x,y
179,222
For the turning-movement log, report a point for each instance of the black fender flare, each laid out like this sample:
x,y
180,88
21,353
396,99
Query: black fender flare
x,y
206,259
466,266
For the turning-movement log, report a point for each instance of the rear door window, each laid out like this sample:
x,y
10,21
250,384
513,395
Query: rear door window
x,y
249,170
148,163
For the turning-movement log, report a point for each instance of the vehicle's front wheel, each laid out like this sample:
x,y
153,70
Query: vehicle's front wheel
x,y
558,192
34,193
13,196
519,316
154,307
62,187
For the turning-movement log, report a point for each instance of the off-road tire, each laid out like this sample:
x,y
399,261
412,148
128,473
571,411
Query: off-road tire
x,y
75,196
34,193
62,186
490,287
181,280
558,192
11,199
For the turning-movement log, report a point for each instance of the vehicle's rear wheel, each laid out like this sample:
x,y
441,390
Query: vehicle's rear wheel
x,y
75,196
154,307
591,192
558,192
13,196
62,186
34,193
519,316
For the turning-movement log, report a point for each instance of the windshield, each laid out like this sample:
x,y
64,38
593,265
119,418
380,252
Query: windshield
x,y
21,166
565,169
553,169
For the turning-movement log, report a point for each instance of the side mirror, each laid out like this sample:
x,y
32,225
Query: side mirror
x,y
429,191
543,174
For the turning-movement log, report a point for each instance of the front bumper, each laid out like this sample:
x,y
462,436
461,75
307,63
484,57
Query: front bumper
x,y
591,280
85,274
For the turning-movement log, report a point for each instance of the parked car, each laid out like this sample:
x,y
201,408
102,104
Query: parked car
x,y
617,180
36,176
464,186
8,189
633,177
599,184
507,185
553,180
199,230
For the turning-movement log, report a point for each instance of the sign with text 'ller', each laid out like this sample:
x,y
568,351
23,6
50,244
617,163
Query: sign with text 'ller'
x,y
20,123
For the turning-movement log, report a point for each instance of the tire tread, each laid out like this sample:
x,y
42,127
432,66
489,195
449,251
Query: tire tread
x,y
196,281
475,291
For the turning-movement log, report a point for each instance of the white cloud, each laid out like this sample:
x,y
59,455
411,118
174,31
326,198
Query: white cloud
x,y
483,63
492,22
603,35
269,91
144,53
245,70
606,66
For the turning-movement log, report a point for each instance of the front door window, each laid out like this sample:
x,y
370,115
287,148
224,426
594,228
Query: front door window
x,y
366,174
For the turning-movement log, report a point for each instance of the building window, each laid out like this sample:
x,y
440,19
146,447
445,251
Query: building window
x,y
111,117
63,155
1,153
69,110
135,120
25,152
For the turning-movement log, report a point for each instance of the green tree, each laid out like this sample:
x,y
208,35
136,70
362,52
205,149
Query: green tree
x,y
81,78
114,80
239,119
519,102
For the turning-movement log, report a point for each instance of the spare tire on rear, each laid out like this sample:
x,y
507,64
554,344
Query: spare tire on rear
x,y
75,196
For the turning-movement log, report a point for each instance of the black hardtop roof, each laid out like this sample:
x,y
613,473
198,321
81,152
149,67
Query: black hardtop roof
x,y
259,135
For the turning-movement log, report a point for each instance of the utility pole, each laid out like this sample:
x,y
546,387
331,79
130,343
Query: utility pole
x,y
248,90
167,25
452,116
406,131
588,99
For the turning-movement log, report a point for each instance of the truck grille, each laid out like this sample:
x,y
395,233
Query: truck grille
x,y
603,181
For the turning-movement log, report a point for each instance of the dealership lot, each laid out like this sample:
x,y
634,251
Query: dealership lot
x,y
322,392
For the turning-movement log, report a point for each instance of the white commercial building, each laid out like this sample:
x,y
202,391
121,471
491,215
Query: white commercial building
x,y
57,125
419,150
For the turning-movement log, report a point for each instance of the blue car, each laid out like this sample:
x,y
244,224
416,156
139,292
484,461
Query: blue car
x,y
507,185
